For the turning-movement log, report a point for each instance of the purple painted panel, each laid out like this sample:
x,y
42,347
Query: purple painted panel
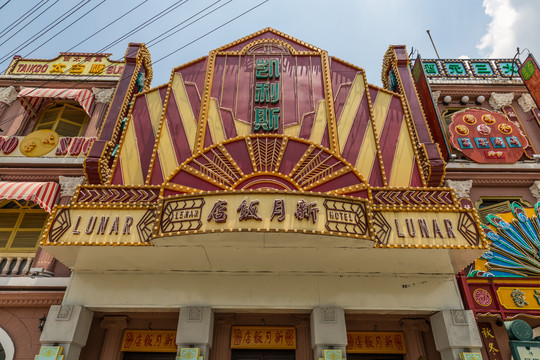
x,y
389,134
208,138
143,131
157,173
317,79
307,126
326,139
169,192
228,123
288,98
117,176
267,35
163,93
304,89
348,179
340,73
357,133
340,99
195,73
246,76
238,149
219,68
194,96
414,105
228,96
375,178
186,179
177,131
416,180
363,194
293,153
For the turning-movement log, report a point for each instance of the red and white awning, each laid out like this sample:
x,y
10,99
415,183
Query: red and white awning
x,y
32,98
42,193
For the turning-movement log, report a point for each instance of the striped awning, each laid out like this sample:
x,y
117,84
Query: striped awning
x,y
32,98
42,193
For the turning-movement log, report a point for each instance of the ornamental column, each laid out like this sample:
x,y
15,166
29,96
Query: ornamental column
x,y
115,326
413,329
455,331
67,326
103,98
498,100
462,190
535,190
68,185
328,330
195,329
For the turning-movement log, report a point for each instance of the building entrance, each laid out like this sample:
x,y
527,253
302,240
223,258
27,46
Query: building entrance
x,y
240,354
148,356
373,357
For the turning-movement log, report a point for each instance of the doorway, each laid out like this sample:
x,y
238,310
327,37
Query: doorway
x,y
148,356
239,354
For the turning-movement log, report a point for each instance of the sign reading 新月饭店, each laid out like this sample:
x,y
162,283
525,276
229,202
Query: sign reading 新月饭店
x,y
269,211
91,64
263,337
375,342
149,341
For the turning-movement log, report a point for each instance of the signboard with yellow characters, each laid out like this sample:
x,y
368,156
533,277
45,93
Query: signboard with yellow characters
x,y
67,63
45,143
121,221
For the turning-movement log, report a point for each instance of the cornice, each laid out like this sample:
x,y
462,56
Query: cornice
x,y
30,298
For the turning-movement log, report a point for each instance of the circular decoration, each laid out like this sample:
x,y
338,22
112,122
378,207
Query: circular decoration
x,y
483,129
469,119
482,297
462,129
505,128
488,119
39,143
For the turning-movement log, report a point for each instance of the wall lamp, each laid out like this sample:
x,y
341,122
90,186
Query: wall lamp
x,y
42,323
464,100
480,100
447,100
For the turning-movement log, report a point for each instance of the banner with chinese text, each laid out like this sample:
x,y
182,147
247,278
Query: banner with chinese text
x,y
149,341
263,337
363,342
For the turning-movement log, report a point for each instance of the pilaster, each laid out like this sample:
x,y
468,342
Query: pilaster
x,y
455,331
195,329
328,330
413,329
114,325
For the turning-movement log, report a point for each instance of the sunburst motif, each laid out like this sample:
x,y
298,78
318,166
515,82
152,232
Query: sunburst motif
x,y
515,245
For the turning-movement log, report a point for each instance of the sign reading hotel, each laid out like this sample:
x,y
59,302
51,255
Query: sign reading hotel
x,y
89,64
263,337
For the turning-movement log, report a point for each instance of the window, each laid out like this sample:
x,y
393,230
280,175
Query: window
x,y
21,224
497,205
65,119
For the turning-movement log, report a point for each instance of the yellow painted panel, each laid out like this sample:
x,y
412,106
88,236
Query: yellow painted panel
x,y
403,159
367,154
184,107
167,156
380,110
292,130
131,163
320,123
214,122
350,109
242,129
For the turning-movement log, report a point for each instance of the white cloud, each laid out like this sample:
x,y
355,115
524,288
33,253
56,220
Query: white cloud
x,y
500,39
464,57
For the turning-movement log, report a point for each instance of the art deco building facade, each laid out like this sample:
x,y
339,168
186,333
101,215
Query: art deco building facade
x,y
51,113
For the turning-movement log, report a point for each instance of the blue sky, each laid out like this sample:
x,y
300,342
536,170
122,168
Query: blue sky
x,y
356,31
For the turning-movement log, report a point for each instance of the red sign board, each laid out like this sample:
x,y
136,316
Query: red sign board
x,y
530,74
486,137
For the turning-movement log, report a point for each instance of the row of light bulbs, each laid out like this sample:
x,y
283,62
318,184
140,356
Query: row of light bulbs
x,y
464,100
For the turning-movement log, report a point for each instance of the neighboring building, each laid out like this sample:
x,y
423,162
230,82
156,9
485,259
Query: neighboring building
x,y
488,125
266,203
51,111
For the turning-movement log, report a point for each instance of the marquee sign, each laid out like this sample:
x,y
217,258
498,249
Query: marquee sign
x,y
486,136
471,68
45,143
149,341
67,63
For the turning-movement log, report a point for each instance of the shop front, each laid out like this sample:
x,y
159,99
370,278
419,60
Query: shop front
x,y
276,206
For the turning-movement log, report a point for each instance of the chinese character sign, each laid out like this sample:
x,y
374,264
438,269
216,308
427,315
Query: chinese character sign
x,y
363,342
266,96
531,77
263,337
490,342
149,341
